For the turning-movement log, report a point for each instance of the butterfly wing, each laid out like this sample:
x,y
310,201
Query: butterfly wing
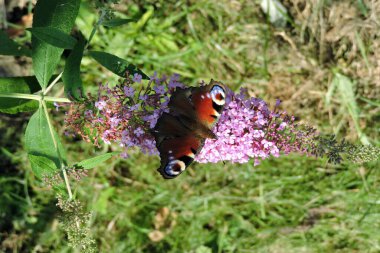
x,y
199,108
177,153
180,134
177,145
169,126
208,102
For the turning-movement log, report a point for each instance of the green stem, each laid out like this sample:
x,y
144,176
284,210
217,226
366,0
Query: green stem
x,y
54,99
21,95
34,97
53,83
100,21
56,148
4,16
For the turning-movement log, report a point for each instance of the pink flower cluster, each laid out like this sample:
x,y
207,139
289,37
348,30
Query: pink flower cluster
x,y
124,114
247,128
240,133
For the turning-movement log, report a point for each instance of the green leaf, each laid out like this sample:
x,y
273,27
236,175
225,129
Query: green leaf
x,y
363,8
42,166
144,18
58,14
115,64
25,84
9,47
39,142
345,89
371,102
117,22
71,75
363,49
101,203
53,36
203,249
95,161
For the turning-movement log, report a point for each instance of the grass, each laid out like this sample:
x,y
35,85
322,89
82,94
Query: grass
x,y
287,204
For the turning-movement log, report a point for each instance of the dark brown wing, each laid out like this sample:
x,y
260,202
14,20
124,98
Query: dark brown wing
x,y
178,153
169,126
177,145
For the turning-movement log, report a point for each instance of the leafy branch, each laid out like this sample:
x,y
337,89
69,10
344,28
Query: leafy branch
x,y
53,21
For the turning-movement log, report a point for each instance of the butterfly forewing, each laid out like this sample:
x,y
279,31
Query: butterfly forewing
x,y
208,102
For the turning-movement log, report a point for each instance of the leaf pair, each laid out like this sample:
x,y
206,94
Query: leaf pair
x,y
53,21
117,65
71,75
58,14
47,154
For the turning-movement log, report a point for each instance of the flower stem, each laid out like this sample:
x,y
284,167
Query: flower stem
x,y
34,97
57,150
67,183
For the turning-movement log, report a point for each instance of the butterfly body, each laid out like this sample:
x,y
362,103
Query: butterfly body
x,y
180,134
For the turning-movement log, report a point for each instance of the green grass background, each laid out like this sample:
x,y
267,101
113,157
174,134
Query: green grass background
x,y
287,204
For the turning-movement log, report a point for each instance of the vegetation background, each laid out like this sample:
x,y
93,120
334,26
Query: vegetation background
x,y
286,204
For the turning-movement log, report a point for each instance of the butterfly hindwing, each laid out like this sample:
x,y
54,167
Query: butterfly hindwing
x,y
177,153
177,145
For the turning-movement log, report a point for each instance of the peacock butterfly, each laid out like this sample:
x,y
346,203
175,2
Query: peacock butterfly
x,y
181,133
